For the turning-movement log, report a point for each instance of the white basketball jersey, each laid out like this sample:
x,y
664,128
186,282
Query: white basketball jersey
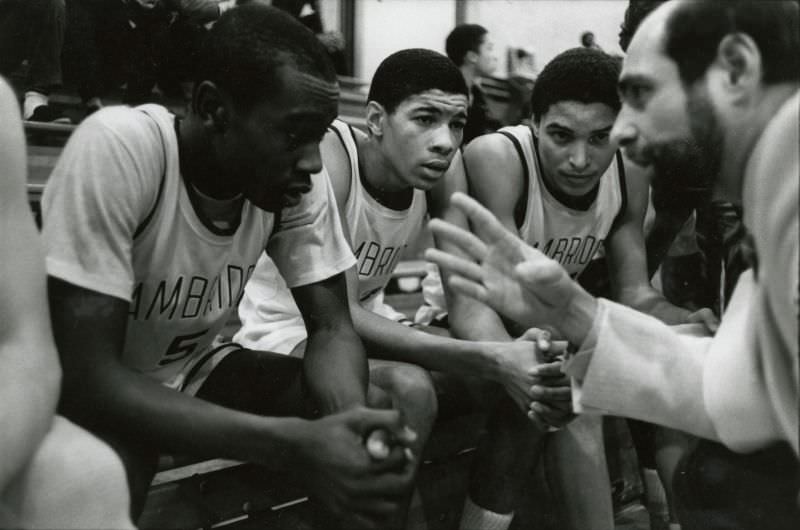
x,y
379,234
188,276
571,237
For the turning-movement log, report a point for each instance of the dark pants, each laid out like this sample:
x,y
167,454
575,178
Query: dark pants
x,y
33,30
717,489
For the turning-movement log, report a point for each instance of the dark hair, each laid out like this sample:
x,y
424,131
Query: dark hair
x,y
464,38
587,38
695,29
585,75
636,11
248,44
412,71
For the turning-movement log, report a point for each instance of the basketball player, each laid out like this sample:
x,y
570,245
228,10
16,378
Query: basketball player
x,y
53,473
730,99
386,181
564,188
153,225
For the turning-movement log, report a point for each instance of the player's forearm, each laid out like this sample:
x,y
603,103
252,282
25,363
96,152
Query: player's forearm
x,y
651,302
472,320
386,339
29,387
119,401
336,369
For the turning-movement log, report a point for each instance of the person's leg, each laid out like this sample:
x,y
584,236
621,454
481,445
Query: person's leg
x,y
44,56
670,448
575,464
74,480
659,450
14,35
411,391
505,457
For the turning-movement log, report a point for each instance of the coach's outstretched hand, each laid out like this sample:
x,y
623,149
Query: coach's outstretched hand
x,y
510,276
363,491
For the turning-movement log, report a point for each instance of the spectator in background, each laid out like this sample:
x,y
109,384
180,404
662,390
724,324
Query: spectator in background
x,y
33,30
469,46
307,12
587,41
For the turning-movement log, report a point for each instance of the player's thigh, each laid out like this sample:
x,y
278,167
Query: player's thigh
x,y
73,480
265,383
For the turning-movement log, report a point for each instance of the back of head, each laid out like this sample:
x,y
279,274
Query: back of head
x,y
413,71
695,29
464,38
636,12
585,75
249,44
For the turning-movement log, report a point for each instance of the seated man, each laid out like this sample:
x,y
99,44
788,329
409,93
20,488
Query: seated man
x,y
564,188
386,182
53,474
153,225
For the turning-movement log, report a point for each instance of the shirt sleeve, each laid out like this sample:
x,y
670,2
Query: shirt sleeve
x,y
635,366
102,186
309,245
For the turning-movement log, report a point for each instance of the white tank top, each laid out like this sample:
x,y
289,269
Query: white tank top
x,y
571,237
379,234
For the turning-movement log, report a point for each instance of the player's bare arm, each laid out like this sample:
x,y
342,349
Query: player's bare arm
x,y
495,179
627,258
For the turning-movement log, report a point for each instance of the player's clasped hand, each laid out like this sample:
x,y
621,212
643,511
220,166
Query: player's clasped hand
x,y
342,474
551,395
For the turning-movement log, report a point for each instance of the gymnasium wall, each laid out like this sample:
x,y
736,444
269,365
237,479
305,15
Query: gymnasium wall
x,y
545,26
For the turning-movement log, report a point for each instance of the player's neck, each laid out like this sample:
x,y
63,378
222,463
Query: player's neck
x,y
197,165
379,178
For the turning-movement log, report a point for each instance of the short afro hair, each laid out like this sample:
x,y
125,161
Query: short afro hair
x,y
636,12
585,75
413,71
247,46
464,38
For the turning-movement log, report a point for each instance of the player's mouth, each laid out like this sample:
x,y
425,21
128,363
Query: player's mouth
x,y
292,196
577,178
437,166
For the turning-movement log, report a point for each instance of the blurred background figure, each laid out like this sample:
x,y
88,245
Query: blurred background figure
x,y
470,47
32,31
588,41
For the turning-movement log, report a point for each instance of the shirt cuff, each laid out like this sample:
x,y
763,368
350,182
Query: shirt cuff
x,y
576,364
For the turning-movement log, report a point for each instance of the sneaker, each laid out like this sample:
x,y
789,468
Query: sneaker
x,y
47,114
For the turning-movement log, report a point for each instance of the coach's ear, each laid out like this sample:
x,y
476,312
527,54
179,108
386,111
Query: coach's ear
x,y
376,115
737,71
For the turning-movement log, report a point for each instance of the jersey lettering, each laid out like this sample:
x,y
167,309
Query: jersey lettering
x,y
570,250
194,295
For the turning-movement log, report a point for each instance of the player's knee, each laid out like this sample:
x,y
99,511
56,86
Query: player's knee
x,y
412,386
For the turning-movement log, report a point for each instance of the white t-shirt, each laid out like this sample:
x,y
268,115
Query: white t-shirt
x,y
270,318
118,220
